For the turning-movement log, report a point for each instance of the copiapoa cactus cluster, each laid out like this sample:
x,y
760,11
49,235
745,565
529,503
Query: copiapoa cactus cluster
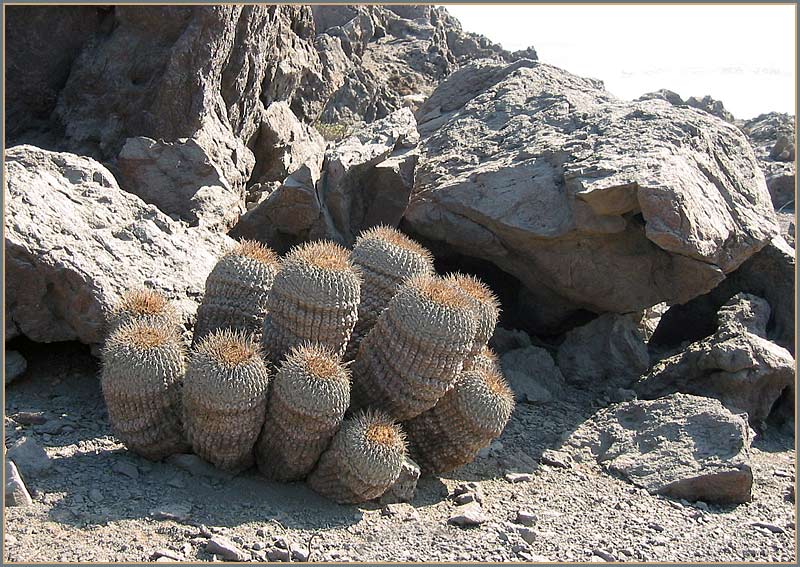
x,y
327,365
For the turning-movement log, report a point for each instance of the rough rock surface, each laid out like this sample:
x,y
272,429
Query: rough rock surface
x,y
404,488
736,364
686,447
532,375
608,352
16,492
610,205
15,365
772,136
70,230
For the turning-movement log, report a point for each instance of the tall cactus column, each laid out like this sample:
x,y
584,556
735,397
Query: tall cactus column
x,y
314,298
387,258
416,350
225,399
237,290
307,402
143,365
473,413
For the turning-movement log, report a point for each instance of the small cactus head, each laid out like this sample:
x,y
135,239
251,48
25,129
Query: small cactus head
x,y
142,340
487,360
313,381
319,273
374,445
254,250
143,304
431,307
485,304
389,252
226,367
484,399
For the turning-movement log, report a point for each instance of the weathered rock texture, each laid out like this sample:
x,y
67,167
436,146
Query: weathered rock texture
x,y
736,364
69,230
773,138
599,203
532,374
681,446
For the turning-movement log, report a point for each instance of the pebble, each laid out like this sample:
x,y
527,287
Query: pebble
x,y
225,548
177,511
277,554
95,495
10,539
168,555
525,517
468,515
769,527
30,417
528,535
556,459
16,492
29,457
300,555
514,478
126,468
605,556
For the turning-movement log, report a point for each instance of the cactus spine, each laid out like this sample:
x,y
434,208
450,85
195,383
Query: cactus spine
x,y
308,398
416,350
386,258
467,418
143,305
143,365
486,308
486,360
314,298
363,461
225,398
237,290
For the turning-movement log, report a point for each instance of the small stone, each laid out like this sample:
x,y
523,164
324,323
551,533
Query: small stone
x,y
260,532
468,515
656,527
16,492
258,546
10,539
29,417
225,548
514,478
95,495
126,468
281,543
405,487
159,554
462,499
177,511
300,555
525,517
29,457
51,427
277,554
556,459
769,527
197,466
603,555
15,365
528,535
203,531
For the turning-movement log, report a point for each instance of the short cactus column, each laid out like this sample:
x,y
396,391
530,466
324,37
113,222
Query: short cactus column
x,y
363,461
314,298
308,398
486,308
225,399
237,290
143,365
416,350
467,418
386,258
143,305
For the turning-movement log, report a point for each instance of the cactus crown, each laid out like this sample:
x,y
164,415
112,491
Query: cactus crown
x,y
313,381
389,251
142,302
483,396
438,291
487,358
229,348
141,345
322,254
254,250
374,446
319,361
477,290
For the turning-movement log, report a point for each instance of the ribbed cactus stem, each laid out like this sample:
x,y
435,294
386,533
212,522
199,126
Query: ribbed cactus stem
x,y
467,418
314,298
225,398
386,258
143,305
143,366
416,350
363,461
308,399
486,308
237,290
486,360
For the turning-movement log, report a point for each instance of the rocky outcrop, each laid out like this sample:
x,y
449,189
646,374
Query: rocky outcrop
x,y
608,352
736,365
602,204
685,447
773,138
75,241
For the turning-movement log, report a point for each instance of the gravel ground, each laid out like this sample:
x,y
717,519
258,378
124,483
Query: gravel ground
x,y
101,503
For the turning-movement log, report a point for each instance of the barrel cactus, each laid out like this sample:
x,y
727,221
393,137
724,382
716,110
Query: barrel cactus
x,y
143,366
237,290
314,298
386,258
308,398
486,360
143,305
467,418
486,308
225,398
416,350
363,461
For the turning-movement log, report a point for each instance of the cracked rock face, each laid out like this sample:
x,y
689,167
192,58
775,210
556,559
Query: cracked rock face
x,y
606,204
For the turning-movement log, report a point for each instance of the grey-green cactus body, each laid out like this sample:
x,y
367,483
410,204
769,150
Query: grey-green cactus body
x,y
225,399
308,399
237,290
143,366
363,460
486,308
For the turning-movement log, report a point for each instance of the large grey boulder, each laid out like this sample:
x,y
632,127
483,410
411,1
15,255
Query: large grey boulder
x,y
772,137
736,365
75,241
680,446
607,352
612,206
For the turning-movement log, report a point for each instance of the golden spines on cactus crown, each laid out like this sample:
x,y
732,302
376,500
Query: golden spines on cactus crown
x,y
143,305
485,305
